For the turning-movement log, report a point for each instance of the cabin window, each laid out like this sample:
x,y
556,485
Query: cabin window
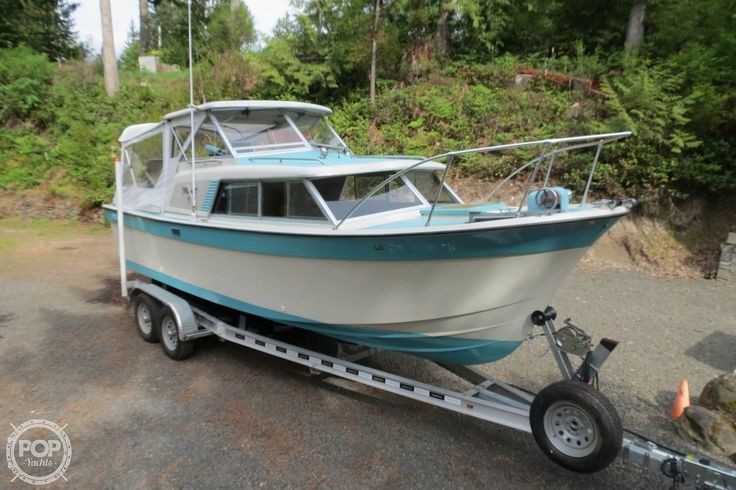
x,y
145,161
288,199
237,198
208,143
344,192
428,183
278,200
181,133
273,201
300,203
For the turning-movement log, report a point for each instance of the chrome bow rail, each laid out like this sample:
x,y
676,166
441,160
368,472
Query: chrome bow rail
x,y
550,149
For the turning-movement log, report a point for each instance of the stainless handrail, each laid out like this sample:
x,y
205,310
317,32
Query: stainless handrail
x,y
589,140
592,170
545,155
282,158
439,189
532,178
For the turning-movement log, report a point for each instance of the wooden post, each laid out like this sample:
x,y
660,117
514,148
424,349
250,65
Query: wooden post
x,y
109,60
374,48
144,36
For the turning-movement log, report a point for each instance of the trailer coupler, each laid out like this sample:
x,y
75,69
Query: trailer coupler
x,y
682,469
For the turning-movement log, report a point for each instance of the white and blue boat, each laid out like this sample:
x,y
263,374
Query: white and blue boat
x,y
260,206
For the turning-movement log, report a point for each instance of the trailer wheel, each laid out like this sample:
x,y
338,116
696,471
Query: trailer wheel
x,y
576,426
146,312
170,342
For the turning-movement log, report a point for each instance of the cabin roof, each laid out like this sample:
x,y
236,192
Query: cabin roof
x,y
290,170
136,130
255,105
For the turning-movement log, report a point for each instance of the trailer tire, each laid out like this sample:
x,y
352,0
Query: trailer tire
x,y
172,346
147,314
576,426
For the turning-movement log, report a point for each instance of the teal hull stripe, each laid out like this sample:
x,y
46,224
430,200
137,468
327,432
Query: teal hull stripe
x,y
209,198
452,350
501,242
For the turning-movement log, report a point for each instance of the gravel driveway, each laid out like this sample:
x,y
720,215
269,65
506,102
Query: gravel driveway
x,y
233,417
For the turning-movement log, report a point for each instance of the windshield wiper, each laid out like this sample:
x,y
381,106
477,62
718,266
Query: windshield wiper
x,y
329,147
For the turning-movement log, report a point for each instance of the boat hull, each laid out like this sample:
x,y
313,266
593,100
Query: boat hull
x,y
462,299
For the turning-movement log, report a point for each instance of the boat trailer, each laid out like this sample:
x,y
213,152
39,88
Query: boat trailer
x,y
571,421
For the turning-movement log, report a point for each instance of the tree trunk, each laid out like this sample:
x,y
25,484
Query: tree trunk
x,y
440,40
108,50
374,48
144,35
635,31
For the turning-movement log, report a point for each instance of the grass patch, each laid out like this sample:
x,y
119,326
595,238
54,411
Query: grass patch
x,y
6,242
15,232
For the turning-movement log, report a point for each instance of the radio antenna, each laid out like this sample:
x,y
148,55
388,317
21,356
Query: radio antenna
x,y
193,192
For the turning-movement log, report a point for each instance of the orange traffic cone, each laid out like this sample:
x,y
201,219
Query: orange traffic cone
x,y
682,399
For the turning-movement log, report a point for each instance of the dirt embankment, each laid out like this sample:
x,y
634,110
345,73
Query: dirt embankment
x,y
677,239
683,240
43,202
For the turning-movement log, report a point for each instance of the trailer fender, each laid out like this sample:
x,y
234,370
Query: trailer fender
x,y
186,323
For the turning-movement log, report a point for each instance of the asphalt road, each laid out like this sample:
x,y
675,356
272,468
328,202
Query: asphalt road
x,y
229,416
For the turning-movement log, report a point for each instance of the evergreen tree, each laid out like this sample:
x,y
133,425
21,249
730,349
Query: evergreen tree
x,y
229,27
131,51
43,25
171,17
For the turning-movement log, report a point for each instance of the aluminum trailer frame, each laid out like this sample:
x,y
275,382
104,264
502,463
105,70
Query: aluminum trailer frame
x,y
489,399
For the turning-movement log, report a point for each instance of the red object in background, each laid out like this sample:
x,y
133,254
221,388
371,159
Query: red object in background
x,y
587,84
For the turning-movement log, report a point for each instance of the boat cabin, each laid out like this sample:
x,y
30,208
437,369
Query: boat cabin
x,y
265,160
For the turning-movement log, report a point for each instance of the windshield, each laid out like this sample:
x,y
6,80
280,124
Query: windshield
x,y
316,130
251,131
342,193
269,130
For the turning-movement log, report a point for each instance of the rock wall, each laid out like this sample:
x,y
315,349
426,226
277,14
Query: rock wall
x,y
727,265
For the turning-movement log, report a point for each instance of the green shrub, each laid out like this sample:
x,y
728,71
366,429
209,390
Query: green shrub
x,y
25,78
648,101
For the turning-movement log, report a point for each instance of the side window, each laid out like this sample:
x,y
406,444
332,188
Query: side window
x,y
145,160
341,194
428,183
300,202
395,191
278,200
181,133
208,142
273,200
238,198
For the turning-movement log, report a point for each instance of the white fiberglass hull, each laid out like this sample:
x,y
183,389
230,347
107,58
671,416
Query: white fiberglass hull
x,y
466,311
